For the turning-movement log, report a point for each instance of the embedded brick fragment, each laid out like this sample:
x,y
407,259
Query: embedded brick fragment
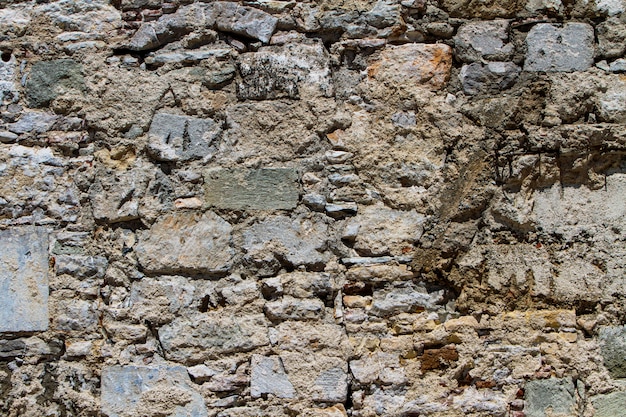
x,y
23,280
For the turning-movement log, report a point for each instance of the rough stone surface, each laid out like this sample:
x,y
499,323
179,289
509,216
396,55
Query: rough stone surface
x,y
550,397
299,241
609,405
259,189
211,336
613,348
483,40
284,71
413,64
362,208
24,280
201,244
269,377
164,390
174,137
478,78
49,79
550,48
8,87
382,231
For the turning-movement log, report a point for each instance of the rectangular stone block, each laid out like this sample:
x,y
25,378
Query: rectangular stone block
x,y
253,189
291,70
413,64
23,280
173,137
149,391
566,49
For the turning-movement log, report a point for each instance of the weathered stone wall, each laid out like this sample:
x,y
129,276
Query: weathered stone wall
x,y
327,208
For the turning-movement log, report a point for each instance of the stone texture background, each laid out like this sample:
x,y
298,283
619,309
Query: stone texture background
x,y
313,208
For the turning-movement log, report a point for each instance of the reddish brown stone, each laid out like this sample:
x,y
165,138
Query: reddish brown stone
x,y
438,358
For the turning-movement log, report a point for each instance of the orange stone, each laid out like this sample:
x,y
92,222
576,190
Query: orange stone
x,y
413,64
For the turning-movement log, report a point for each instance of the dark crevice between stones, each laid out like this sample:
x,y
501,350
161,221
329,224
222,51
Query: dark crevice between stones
x,y
155,333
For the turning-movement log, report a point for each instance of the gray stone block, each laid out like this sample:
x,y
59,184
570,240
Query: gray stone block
x,y
477,78
483,40
48,79
552,397
150,391
23,280
173,137
613,348
610,405
186,242
560,49
268,377
299,241
194,339
255,189
284,71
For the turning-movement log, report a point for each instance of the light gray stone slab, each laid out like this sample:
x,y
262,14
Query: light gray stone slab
x,y
196,338
550,397
483,40
138,390
269,377
173,137
560,49
186,242
299,241
254,189
23,280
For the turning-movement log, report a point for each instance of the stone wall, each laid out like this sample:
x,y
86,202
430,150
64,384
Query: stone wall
x,y
326,208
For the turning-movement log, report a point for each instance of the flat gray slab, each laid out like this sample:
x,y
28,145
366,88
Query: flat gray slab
x,y
149,391
173,137
186,242
568,48
255,189
23,280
